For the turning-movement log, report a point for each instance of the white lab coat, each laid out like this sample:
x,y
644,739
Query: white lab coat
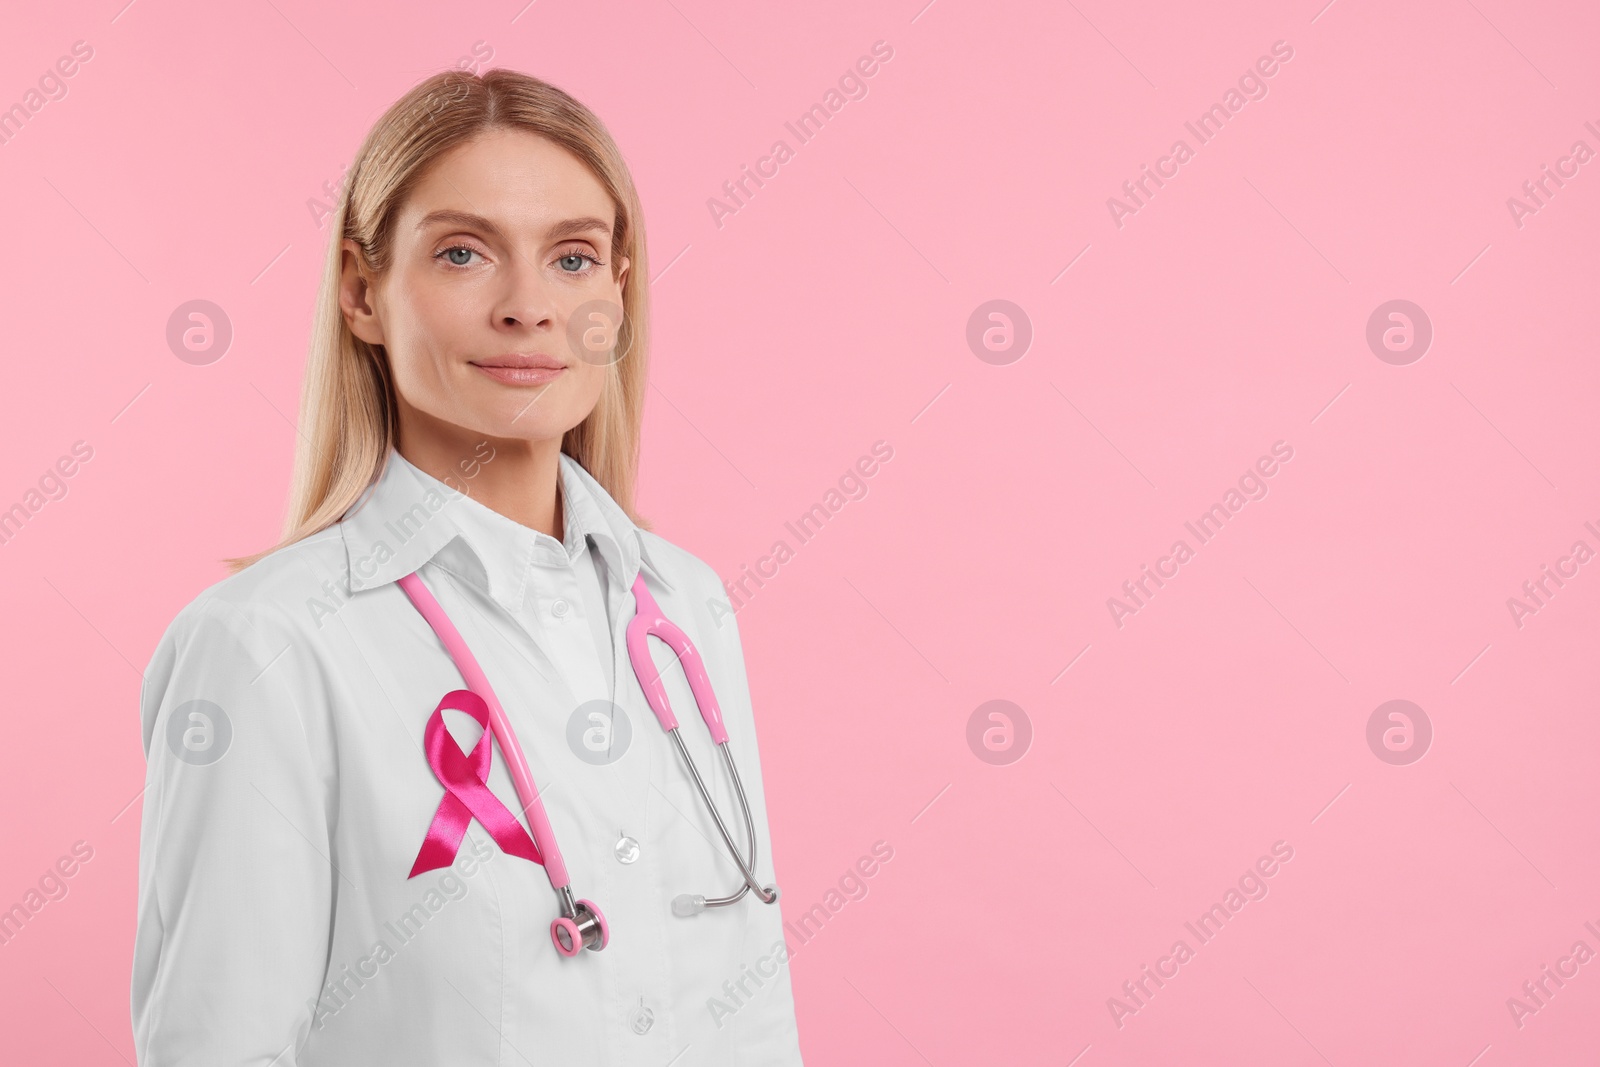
x,y
288,793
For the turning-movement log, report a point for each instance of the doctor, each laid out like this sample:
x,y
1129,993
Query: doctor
x,y
471,415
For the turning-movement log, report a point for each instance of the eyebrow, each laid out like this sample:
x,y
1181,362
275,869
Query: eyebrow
x,y
567,228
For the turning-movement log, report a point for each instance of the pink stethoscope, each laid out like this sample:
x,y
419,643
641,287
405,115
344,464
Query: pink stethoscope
x,y
581,924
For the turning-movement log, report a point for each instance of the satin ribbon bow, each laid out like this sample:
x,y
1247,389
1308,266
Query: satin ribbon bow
x,y
466,792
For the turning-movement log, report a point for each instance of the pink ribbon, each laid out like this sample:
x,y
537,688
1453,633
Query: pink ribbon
x,y
466,792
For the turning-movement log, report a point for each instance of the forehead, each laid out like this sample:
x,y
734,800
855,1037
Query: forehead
x,y
517,179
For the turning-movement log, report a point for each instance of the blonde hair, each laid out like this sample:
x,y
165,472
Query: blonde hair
x,y
347,402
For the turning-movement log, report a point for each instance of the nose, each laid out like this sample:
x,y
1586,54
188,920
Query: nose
x,y
526,297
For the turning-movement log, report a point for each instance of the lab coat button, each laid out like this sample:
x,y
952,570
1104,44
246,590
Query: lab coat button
x,y
559,608
627,850
643,1018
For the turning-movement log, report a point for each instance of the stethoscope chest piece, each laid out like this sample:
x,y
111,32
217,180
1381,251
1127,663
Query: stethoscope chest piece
x,y
581,926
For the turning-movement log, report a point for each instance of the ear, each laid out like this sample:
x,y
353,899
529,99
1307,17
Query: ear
x,y
622,271
355,295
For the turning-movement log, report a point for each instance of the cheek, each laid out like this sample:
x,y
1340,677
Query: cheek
x,y
588,382
421,331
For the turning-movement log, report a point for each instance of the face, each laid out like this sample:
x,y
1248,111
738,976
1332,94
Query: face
x,y
502,247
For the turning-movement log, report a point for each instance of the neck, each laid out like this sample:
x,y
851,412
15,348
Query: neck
x,y
517,478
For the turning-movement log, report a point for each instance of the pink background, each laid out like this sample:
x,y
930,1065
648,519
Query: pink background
x,y
831,312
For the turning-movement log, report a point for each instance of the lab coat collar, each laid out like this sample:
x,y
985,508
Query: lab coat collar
x,y
407,518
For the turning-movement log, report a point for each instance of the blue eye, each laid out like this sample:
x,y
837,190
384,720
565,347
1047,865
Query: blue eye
x,y
573,262
451,255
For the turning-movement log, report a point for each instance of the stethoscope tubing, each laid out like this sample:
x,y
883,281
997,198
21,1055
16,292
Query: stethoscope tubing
x,y
650,621
582,925
538,821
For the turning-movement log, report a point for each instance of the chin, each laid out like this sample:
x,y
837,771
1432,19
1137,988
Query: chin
x,y
531,426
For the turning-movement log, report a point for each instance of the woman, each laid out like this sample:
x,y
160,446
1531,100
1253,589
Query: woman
x,y
319,883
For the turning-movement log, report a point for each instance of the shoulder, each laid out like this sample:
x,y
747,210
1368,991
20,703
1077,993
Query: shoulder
x,y
221,643
696,585
273,600
680,566
689,575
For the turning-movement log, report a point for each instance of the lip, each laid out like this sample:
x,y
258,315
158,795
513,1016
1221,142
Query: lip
x,y
518,368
